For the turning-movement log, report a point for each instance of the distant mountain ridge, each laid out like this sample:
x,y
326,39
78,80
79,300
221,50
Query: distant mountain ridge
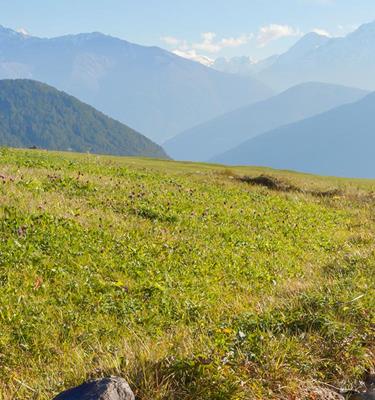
x,y
244,65
346,61
339,142
35,114
149,89
207,140
305,46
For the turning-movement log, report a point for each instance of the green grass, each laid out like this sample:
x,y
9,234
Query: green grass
x,y
186,281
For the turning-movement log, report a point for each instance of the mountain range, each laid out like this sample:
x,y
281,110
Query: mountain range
x,y
338,142
243,65
207,140
346,60
35,114
228,113
149,89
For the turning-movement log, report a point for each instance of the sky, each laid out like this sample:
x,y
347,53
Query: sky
x,y
198,29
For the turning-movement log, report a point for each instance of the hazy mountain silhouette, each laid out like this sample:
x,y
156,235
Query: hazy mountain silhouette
x,y
203,142
339,142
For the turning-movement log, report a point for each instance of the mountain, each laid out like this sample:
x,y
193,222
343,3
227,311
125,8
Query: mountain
x,y
339,142
246,66
242,65
207,140
152,90
305,46
34,114
346,61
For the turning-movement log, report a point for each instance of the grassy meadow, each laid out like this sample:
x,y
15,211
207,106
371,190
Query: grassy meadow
x,y
185,279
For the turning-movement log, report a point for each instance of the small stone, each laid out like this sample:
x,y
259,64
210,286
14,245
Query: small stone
x,y
112,388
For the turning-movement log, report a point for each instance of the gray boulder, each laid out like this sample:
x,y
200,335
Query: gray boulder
x,y
112,388
361,396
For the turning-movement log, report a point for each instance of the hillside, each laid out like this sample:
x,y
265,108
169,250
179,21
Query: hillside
x,y
346,60
153,91
186,279
339,142
34,114
221,134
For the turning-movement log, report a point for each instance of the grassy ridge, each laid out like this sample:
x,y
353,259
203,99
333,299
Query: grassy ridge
x,y
183,279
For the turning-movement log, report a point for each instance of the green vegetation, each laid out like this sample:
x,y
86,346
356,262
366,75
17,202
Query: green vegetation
x,y
34,114
187,281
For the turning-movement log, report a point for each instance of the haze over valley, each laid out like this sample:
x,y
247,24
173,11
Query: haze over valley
x,y
203,142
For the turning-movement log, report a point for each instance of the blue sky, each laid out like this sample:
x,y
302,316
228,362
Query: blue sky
x,y
210,28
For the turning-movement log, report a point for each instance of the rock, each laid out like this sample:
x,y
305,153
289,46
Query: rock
x,y
361,396
112,388
369,381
